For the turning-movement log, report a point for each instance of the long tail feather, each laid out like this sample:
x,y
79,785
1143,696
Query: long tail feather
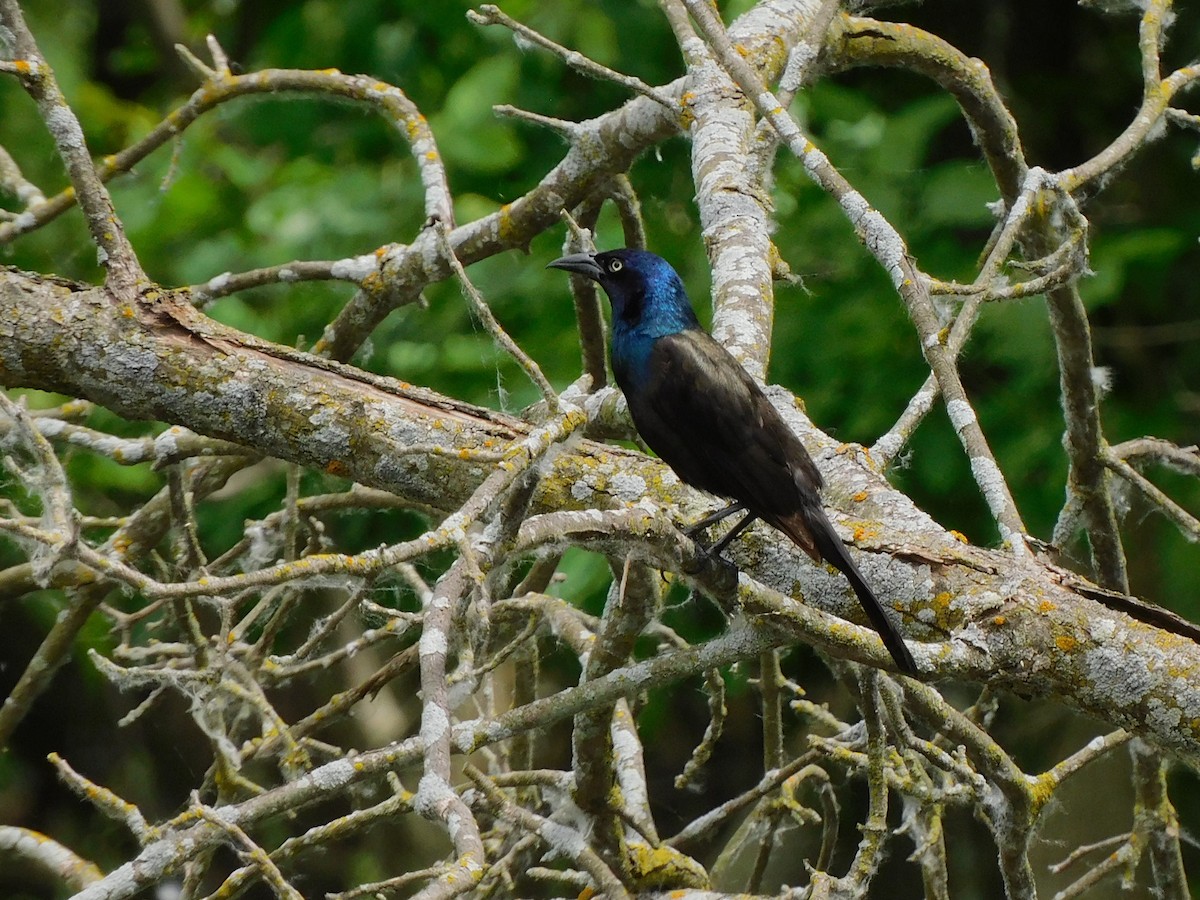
x,y
816,533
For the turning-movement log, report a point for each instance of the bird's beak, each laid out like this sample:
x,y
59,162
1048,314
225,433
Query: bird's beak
x,y
580,263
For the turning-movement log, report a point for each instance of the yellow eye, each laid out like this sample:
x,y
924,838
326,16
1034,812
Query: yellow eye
x,y
615,265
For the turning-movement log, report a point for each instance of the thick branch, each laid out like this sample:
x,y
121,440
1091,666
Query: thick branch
x,y
1014,621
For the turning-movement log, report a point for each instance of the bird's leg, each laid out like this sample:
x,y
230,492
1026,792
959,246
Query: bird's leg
x,y
722,513
715,549
714,552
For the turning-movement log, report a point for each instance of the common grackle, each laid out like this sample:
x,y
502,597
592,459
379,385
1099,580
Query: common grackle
x,y
703,414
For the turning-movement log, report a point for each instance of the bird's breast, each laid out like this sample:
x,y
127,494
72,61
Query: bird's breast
x,y
631,355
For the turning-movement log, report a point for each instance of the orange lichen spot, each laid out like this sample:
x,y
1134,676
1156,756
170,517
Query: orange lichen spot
x,y
1047,606
942,600
431,156
22,66
587,894
999,620
959,536
1066,643
128,311
741,50
860,496
336,467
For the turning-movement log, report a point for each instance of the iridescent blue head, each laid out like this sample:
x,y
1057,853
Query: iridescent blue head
x,y
647,295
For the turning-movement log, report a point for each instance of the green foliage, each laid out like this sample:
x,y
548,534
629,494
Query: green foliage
x,y
267,180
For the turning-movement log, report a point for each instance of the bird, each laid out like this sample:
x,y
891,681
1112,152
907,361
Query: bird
x,y
704,415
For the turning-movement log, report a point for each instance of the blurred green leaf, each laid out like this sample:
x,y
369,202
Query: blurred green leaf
x,y
467,129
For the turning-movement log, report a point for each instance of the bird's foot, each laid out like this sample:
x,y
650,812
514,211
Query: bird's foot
x,y
705,553
709,551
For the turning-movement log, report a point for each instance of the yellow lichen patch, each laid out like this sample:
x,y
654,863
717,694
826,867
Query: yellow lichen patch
x,y
1047,606
860,496
336,467
505,227
686,116
959,536
1066,643
999,620
1042,790
942,600
664,867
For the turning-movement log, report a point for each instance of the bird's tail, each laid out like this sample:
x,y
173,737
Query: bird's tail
x,y
810,530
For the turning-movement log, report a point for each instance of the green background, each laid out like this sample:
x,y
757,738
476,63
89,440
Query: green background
x,y
266,180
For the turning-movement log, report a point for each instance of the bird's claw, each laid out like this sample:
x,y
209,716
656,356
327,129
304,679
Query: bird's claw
x,y
705,552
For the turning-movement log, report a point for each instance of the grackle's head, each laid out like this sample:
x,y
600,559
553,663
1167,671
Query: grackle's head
x,y
641,285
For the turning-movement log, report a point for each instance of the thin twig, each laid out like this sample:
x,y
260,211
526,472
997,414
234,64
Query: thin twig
x,y
489,14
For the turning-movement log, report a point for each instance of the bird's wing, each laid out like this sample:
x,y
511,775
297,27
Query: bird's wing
x,y
703,414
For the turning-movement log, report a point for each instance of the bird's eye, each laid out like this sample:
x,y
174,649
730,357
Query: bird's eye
x,y
615,265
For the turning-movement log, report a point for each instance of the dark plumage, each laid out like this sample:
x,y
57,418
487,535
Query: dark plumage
x,y
703,414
